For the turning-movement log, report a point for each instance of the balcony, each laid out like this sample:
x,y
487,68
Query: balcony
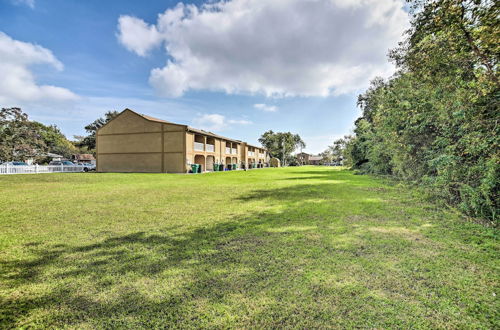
x,y
210,148
228,150
234,151
251,153
198,146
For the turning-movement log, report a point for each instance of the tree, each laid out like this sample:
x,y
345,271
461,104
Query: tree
x,y
55,140
338,148
21,138
88,141
281,145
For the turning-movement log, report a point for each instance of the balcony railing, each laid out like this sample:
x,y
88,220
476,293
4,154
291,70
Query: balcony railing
x,y
234,151
228,150
198,146
210,148
251,153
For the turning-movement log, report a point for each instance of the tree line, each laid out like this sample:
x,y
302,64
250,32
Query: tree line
x,y
435,123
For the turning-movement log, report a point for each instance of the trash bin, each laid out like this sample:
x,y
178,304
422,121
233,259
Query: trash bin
x,y
194,168
235,166
199,168
221,167
216,167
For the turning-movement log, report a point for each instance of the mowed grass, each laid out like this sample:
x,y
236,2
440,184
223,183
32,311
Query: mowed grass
x,y
307,247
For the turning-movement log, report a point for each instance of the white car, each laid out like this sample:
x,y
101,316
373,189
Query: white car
x,y
88,167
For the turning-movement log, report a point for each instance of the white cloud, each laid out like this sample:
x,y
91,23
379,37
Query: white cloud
x,y
276,48
17,82
29,3
216,122
265,107
136,35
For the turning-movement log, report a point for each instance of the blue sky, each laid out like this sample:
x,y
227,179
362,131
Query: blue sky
x,y
237,68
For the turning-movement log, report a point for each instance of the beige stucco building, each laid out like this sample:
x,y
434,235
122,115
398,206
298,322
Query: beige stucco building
x,y
133,142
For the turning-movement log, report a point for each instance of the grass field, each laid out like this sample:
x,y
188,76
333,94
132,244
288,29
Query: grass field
x,y
296,247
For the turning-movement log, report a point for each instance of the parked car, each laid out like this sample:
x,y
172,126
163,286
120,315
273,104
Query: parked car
x,y
62,162
85,167
88,167
15,163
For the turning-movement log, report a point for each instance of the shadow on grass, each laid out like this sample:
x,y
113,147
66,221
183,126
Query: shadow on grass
x,y
272,269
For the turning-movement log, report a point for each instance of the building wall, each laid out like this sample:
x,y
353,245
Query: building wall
x,y
174,150
130,143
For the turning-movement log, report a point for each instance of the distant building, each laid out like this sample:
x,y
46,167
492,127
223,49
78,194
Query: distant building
x,y
31,160
303,158
54,156
83,159
308,159
315,160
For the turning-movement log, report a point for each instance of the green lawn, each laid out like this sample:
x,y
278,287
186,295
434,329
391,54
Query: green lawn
x,y
301,247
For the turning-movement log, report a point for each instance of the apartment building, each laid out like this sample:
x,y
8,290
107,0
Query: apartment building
x,y
134,142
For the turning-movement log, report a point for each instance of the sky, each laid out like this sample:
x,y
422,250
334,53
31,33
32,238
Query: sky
x,y
237,67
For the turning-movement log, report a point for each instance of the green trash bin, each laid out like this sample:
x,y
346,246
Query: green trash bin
x,y
216,167
199,168
194,168
235,166
221,167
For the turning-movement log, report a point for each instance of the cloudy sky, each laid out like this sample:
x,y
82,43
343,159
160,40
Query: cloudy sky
x,y
237,67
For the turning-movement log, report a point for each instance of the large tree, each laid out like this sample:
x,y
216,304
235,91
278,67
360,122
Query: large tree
x,y
88,141
21,138
281,144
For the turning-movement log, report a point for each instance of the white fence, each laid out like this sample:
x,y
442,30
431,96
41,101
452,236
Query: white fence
x,y
33,169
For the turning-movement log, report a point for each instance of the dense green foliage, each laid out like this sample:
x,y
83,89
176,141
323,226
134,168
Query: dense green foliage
x,y
281,145
297,247
436,122
21,138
